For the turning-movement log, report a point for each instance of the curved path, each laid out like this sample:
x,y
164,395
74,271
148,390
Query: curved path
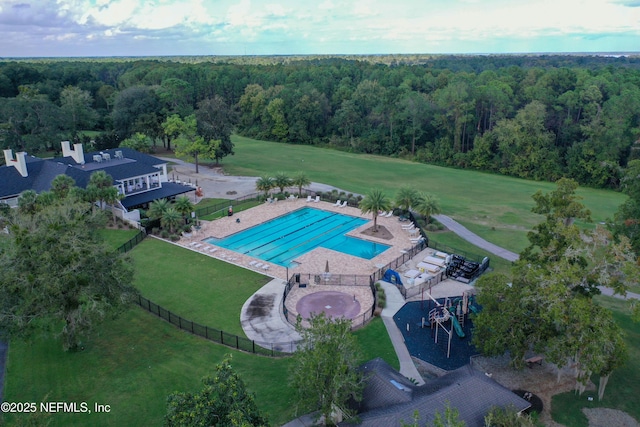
x,y
471,237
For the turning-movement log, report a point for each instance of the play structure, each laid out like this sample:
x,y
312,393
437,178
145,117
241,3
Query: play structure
x,y
452,310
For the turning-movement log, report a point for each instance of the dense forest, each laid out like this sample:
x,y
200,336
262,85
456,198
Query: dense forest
x,y
531,116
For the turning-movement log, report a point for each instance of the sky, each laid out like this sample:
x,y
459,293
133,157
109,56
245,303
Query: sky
x,y
64,28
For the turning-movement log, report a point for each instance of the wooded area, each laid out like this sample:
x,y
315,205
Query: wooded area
x,y
535,117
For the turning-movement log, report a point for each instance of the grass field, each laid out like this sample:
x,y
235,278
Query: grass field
x,y
193,285
132,364
622,389
117,237
498,208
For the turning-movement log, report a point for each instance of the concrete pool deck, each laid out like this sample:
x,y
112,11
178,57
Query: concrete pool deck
x,y
310,262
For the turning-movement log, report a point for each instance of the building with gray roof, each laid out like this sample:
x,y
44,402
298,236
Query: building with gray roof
x,y
389,399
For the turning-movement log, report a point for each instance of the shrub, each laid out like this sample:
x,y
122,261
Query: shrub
x,y
155,231
164,234
174,237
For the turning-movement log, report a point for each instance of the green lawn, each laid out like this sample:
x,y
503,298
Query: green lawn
x,y
117,237
375,342
478,200
193,285
622,389
465,248
132,364
223,211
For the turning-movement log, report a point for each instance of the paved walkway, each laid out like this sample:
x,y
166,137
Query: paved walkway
x,y
263,321
471,237
395,301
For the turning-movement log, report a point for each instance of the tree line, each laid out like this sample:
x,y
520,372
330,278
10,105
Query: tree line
x,y
535,117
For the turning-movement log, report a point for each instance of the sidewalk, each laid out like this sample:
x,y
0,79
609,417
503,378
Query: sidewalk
x,y
395,301
470,237
262,319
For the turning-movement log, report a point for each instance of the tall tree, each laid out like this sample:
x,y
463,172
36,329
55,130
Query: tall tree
x,y
139,142
325,371
546,303
58,270
184,206
189,143
406,198
300,179
265,184
61,185
427,205
281,180
375,201
76,106
215,122
223,401
130,108
99,186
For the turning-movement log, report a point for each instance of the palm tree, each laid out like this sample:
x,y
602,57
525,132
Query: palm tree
x,y
406,198
27,202
373,202
265,184
281,180
184,206
427,205
157,208
111,196
61,185
99,182
300,179
171,219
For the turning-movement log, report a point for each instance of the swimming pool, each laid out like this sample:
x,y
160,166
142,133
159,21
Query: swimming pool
x,y
285,238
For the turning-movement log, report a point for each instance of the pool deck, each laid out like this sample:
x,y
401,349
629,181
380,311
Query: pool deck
x,y
311,262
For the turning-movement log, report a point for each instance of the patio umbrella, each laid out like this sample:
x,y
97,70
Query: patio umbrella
x,y
326,267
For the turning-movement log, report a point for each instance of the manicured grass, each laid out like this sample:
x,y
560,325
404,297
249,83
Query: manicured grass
x,y
193,285
117,237
482,199
622,389
132,364
375,342
223,212
465,248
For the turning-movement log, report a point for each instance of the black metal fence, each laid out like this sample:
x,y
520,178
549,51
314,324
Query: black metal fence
x,y
217,335
223,207
133,242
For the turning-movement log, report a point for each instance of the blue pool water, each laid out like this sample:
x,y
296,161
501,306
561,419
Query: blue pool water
x,y
285,238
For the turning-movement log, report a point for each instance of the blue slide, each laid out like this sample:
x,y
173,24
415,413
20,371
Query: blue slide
x,y
392,276
456,324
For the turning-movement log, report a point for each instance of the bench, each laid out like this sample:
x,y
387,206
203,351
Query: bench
x,y
535,359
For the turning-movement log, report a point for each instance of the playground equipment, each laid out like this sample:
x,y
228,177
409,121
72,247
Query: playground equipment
x,y
455,310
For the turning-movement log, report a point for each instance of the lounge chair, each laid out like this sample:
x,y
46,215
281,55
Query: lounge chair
x,y
212,250
338,203
309,199
252,263
317,199
408,226
197,245
344,204
389,215
206,248
258,265
192,244
265,267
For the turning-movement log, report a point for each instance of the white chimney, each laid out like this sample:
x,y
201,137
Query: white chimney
x,y
20,163
77,153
